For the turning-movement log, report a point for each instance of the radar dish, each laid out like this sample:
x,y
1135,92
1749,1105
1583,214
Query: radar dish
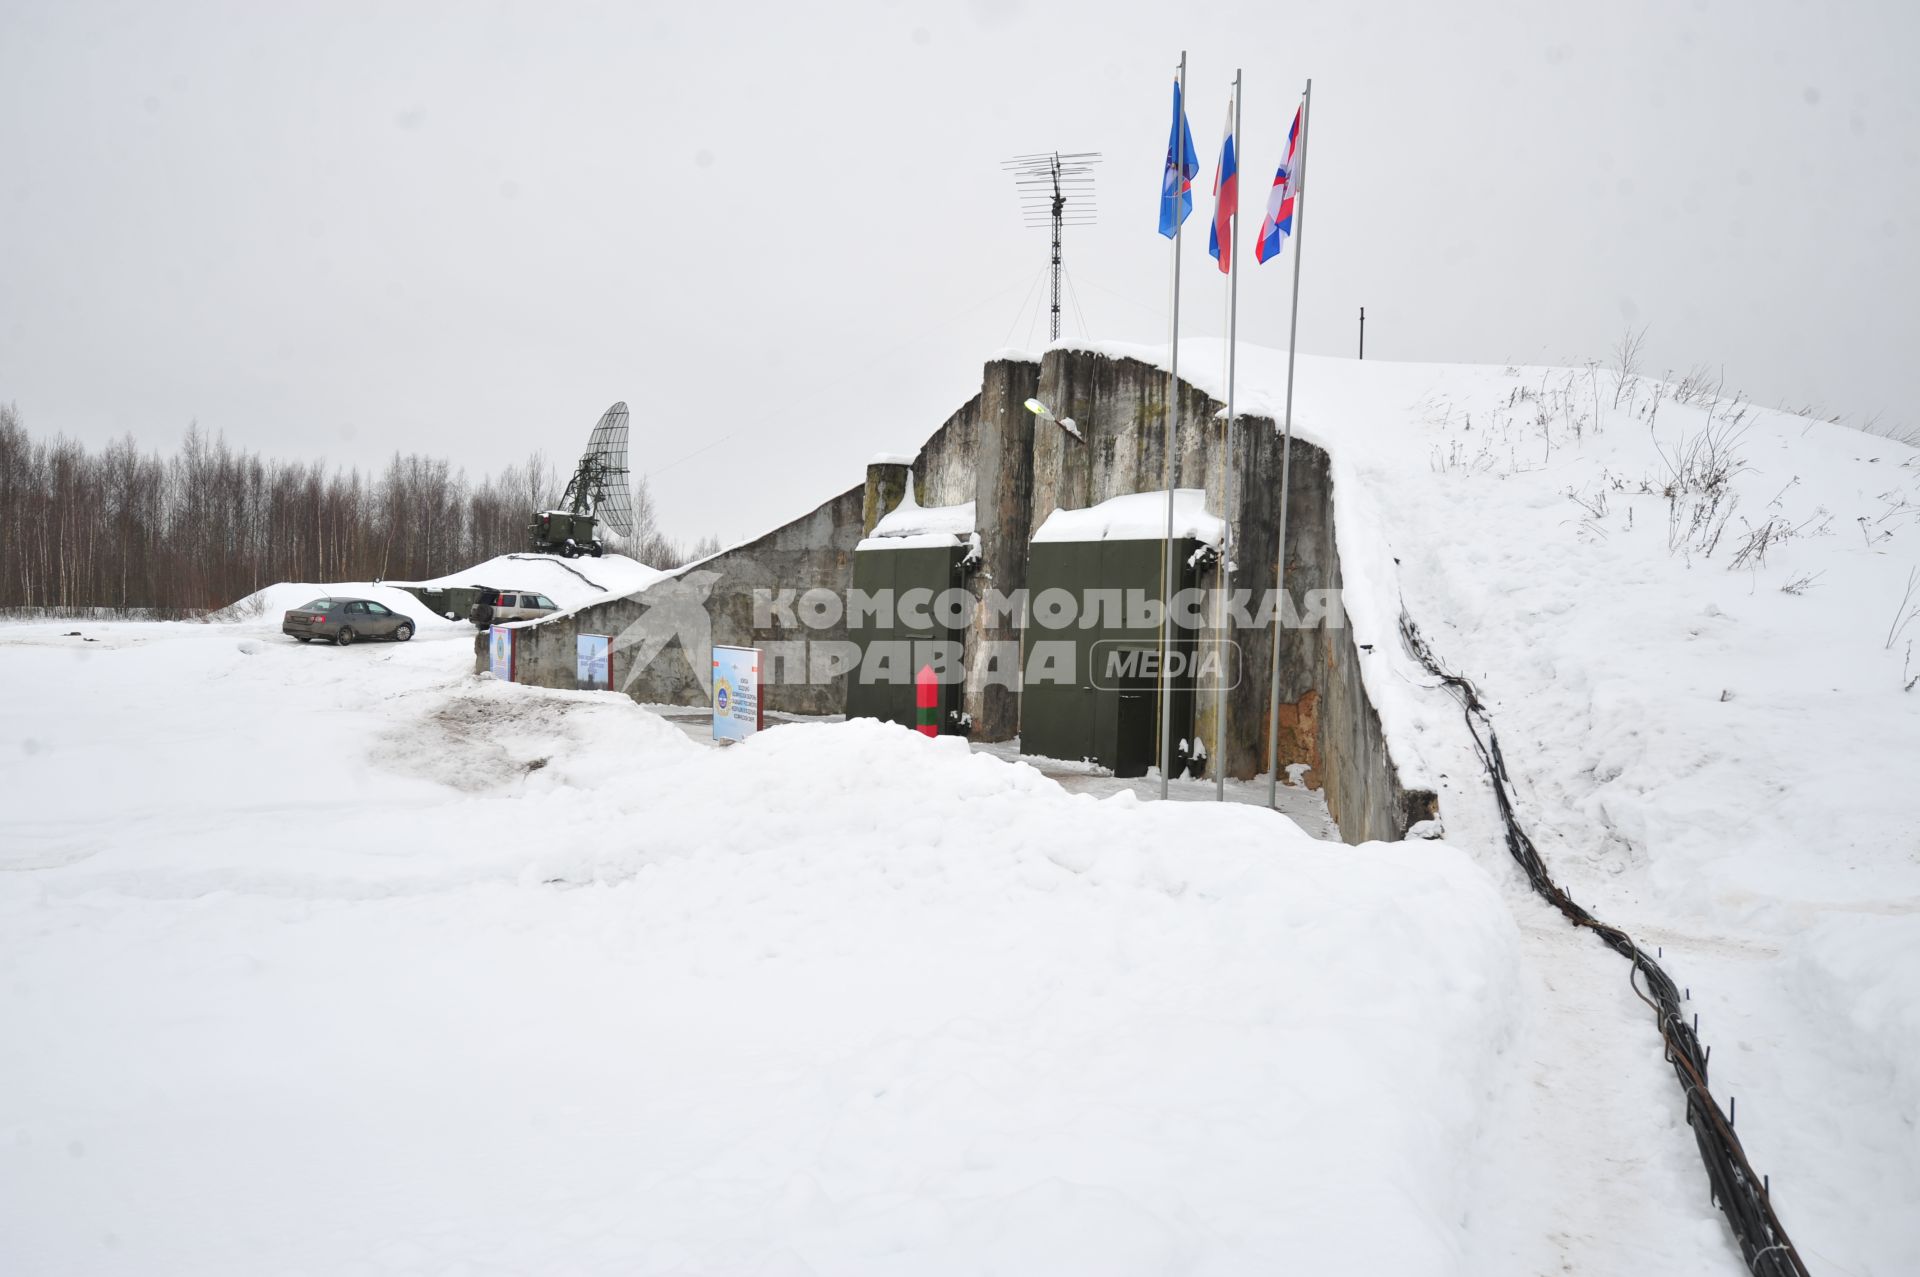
x,y
606,460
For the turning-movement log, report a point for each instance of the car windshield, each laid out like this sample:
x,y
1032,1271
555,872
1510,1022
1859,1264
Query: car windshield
x,y
318,605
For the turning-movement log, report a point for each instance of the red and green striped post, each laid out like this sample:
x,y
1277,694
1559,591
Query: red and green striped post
x,y
926,699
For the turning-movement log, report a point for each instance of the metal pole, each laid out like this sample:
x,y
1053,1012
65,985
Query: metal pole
x,y
1286,455
1059,205
1172,424
1226,541
1363,332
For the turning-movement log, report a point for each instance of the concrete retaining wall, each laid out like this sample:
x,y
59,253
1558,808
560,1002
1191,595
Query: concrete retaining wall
x,y
814,550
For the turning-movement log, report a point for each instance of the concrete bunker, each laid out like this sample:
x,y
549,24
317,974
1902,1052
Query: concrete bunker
x,y
1016,471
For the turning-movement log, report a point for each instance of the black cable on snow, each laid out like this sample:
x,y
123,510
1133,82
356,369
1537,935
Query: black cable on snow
x,y
1740,1192
559,563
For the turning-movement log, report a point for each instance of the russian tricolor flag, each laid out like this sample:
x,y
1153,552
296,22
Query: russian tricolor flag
x,y
1278,223
1226,199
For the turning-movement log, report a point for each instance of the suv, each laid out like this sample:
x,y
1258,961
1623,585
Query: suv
x,y
509,605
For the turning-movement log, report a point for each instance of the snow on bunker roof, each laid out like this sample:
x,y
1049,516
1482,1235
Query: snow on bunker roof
x,y
908,519
1137,516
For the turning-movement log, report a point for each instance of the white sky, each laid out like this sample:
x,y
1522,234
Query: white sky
x,y
339,229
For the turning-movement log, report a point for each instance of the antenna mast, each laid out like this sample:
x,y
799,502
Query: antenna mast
x,y
1055,191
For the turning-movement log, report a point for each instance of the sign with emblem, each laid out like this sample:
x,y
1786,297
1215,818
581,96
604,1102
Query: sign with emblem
x,y
737,713
500,653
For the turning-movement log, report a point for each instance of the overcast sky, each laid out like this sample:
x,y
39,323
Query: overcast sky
x,y
333,230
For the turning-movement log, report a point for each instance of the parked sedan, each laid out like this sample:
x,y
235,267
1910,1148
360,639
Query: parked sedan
x,y
344,620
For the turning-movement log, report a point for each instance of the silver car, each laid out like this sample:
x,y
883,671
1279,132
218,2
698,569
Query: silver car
x,y
344,620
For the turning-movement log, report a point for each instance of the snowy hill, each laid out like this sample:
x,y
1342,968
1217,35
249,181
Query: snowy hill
x,y
265,606
1691,617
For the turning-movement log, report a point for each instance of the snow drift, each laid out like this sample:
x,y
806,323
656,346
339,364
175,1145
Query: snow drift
x,y
470,973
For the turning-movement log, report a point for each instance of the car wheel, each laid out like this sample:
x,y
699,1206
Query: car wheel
x,y
483,618
344,637
598,549
402,634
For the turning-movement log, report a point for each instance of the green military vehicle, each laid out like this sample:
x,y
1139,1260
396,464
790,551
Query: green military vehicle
x,y
566,533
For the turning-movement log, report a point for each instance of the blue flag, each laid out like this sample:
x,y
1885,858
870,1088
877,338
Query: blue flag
x,y
1176,184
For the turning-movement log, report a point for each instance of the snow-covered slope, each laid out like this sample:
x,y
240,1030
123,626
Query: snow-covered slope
x,y
342,960
267,605
1688,615
571,583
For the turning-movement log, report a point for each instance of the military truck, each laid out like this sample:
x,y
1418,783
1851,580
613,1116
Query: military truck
x,y
567,533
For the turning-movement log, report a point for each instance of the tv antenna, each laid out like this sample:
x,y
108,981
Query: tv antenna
x,y
1056,191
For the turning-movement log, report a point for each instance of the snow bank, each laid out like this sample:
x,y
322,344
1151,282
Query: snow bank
x,y
571,583
265,607
464,973
1137,516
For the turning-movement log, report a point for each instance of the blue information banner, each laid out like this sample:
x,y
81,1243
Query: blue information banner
x,y
594,662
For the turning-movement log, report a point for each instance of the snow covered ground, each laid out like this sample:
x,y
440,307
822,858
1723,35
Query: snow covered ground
x,y
1307,808
347,960
328,960
1713,749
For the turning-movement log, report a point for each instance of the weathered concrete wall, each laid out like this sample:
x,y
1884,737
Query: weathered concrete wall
x,y
886,487
943,472
1002,499
814,551
1327,720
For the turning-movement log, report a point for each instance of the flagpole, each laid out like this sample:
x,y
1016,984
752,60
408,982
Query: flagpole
x,y
1172,423
1226,540
1286,456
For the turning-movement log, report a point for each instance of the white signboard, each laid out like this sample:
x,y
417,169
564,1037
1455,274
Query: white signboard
x,y
736,693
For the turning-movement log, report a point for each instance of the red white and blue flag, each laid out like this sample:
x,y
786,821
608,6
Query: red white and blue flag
x,y
1226,199
1278,223
1176,183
